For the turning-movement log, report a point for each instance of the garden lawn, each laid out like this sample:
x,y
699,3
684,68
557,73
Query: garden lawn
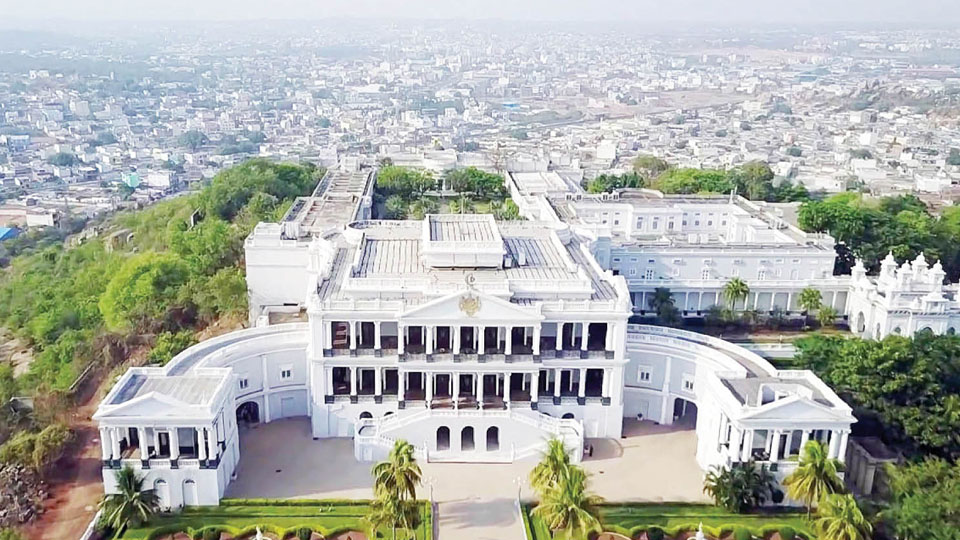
x,y
631,519
326,517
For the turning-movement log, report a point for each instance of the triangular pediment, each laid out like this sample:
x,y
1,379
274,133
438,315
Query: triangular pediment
x,y
798,409
152,404
471,305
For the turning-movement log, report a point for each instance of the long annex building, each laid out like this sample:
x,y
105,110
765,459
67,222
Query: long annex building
x,y
477,340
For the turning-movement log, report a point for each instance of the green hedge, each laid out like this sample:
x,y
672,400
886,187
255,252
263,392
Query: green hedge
x,y
715,531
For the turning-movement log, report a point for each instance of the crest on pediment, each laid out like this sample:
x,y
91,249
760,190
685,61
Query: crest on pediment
x,y
470,302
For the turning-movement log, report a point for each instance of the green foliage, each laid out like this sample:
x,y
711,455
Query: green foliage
x,y
860,153
734,291
787,533
839,518
924,500
815,477
654,533
192,139
912,385
142,290
304,533
739,488
547,472
742,533
505,211
210,245
63,159
211,533
662,303
36,450
169,344
649,167
568,507
233,188
472,180
130,504
396,207
403,181
753,180
605,183
872,228
686,181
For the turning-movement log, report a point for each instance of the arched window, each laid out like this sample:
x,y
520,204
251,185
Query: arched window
x,y
951,331
162,490
189,493
466,439
493,439
366,414
897,331
443,438
568,416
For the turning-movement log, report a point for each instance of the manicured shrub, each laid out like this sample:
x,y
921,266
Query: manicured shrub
x,y
654,533
304,533
211,534
787,533
742,533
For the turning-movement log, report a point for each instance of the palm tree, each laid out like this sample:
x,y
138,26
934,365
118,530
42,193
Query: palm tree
x,y
826,316
810,300
734,291
839,518
388,510
568,507
663,304
131,505
554,462
740,487
399,474
815,477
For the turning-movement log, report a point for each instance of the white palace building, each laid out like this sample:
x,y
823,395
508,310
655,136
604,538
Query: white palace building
x,y
477,340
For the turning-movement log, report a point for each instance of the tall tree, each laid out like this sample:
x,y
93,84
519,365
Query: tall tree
x,y
547,472
130,505
810,300
739,488
839,518
568,507
399,473
815,477
735,290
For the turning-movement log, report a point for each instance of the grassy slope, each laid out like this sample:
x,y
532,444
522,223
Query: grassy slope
x,y
632,518
323,516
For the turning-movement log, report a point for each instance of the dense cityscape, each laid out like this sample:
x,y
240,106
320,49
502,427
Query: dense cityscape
x,y
479,279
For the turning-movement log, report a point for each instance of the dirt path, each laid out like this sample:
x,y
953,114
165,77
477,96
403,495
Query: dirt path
x,y
75,482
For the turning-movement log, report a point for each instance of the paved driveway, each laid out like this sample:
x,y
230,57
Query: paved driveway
x,y
475,501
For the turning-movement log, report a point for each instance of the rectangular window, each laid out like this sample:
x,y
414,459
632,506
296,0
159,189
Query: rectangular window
x,y
633,271
761,274
688,383
644,374
286,372
705,273
648,274
244,383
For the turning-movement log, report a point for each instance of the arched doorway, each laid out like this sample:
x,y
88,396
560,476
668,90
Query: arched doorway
x,y
467,443
493,439
248,413
443,438
189,493
162,490
861,325
684,413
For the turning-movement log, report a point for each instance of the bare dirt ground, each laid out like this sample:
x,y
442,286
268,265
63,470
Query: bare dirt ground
x,y
75,482
12,350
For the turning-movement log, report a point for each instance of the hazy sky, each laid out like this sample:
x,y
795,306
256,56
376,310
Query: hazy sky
x,y
934,12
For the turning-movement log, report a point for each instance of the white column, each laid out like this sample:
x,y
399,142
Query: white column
x,y
174,443
105,444
376,335
605,391
377,381
834,444
353,381
583,383
456,388
506,387
787,444
584,329
747,445
557,377
842,452
142,437
535,386
536,339
211,443
775,449
401,338
353,334
201,445
428,333
427,378
455,330
115,443
868,477
483,345
328,375
559,344
480,389
611,332
509,346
